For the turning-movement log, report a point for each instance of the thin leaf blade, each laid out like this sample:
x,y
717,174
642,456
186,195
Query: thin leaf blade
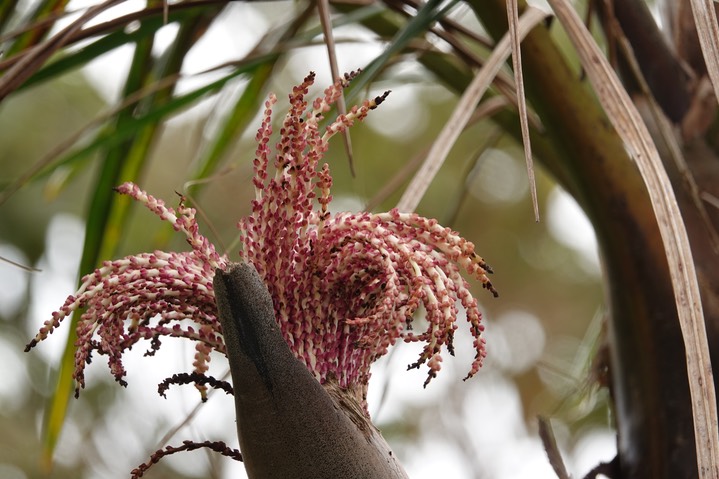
x,y
513,21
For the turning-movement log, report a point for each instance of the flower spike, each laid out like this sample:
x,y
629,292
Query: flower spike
x,y
139,296
346,287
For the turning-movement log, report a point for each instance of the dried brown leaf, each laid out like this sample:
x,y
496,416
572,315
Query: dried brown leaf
x,y
706,22
665,132
323,9
546,434
513,21
23,267
39,54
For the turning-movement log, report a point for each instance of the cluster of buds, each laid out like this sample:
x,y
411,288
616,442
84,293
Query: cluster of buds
x,y
345,287
146,296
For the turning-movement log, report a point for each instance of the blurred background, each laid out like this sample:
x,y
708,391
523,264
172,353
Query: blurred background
x,y
542,332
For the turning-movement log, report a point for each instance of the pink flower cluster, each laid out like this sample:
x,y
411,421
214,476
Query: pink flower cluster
x,y
146,296
345,286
